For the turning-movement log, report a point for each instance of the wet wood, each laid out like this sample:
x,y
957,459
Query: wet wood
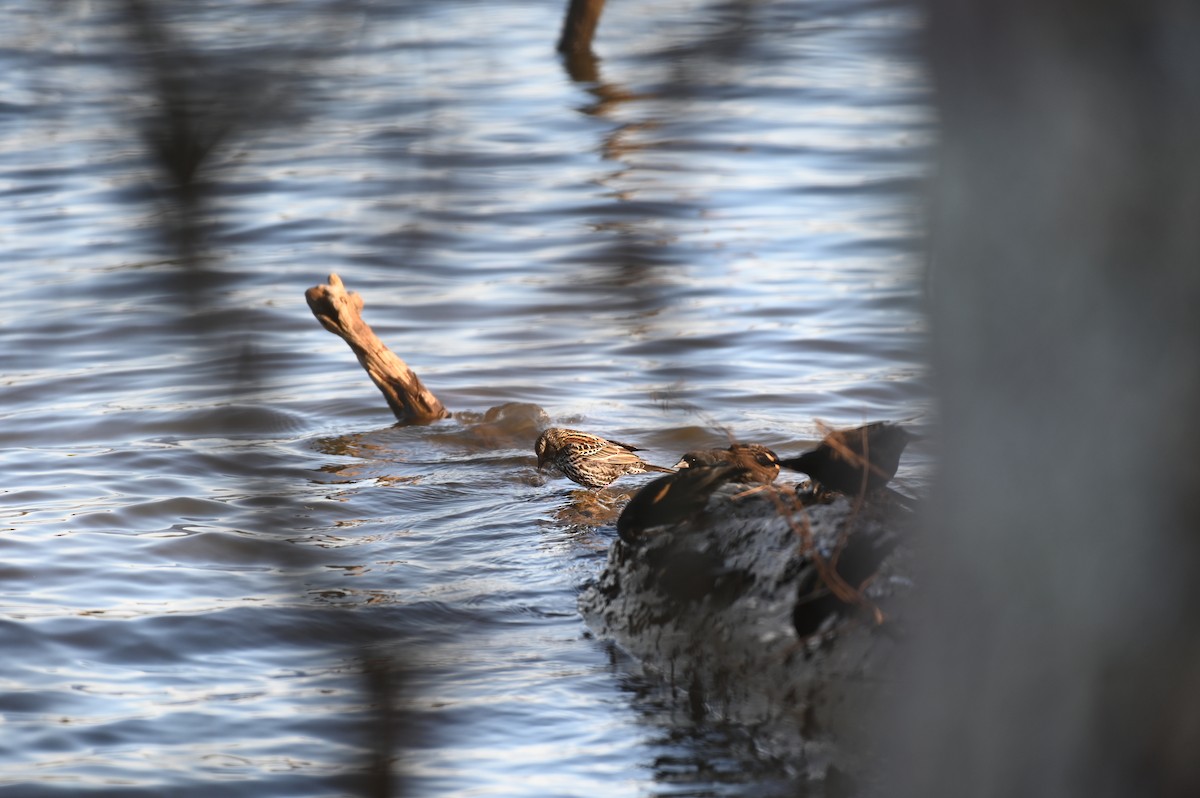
x,y
738,610
579,26
575,43
340,312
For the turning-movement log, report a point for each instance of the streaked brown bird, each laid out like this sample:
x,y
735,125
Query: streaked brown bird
x,y
588,459
853,461
673,499
758,464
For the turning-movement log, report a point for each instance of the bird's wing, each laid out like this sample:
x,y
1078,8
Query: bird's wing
x,y
617,454
602,448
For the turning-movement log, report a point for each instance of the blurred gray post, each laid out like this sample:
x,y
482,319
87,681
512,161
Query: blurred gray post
x,y
1059,652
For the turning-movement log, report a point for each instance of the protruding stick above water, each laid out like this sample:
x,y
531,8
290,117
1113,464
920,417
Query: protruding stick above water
x,y
579,26
575,43
340,312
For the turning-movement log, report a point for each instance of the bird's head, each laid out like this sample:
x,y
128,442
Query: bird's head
x,y
545,447
691,460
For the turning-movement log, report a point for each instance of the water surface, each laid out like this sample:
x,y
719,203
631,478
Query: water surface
x,y
213,534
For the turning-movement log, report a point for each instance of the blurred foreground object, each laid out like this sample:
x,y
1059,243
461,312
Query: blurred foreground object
x,y
674,499
1058,649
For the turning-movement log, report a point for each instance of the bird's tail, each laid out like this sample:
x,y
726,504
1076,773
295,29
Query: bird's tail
x,y
660,469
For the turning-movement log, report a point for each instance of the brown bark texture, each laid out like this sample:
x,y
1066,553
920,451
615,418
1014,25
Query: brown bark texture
x,y
340,312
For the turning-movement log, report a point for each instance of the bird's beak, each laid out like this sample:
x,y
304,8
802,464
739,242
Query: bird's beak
x,y
681,464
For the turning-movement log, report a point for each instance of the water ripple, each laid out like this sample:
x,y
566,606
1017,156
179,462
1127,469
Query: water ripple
x,y
213,536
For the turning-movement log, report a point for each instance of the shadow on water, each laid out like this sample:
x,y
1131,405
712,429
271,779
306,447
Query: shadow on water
x,y
207,98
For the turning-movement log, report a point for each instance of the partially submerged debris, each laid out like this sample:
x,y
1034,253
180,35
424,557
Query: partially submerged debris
x,y
763,610
340,312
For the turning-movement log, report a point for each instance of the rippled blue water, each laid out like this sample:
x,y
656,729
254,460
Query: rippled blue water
x,y
211,528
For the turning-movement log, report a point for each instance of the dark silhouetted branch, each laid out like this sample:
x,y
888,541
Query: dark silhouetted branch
x,y
575,43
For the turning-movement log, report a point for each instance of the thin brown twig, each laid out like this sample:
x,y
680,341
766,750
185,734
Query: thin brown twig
x,y
863,460
826,567
669,401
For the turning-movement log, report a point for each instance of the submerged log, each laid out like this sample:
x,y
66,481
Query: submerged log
x,y
766,614
340,312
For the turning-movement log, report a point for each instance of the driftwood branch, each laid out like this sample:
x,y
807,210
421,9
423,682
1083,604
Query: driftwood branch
x,y
340,312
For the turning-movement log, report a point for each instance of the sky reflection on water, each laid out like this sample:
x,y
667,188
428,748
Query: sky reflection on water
x,y
211,523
